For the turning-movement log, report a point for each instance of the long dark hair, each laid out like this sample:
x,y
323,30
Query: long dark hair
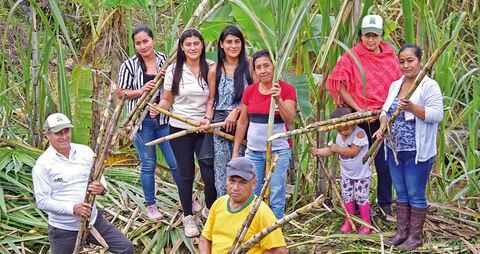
x,y
138,29
242,69
177,73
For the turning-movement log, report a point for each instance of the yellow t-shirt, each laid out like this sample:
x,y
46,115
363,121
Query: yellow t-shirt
x,y
223,223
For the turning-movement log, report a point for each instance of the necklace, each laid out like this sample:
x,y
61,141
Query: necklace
x,y
262,89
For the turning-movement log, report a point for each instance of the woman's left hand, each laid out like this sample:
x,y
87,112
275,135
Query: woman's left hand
x,y
205,124
231,120
162,73
153,112
405,104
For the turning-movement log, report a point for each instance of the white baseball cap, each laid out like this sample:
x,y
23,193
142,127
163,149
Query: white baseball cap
x,y
57,122
372,24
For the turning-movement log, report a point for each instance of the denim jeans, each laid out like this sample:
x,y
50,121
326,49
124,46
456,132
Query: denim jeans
x,y
278,183
409,179
151,130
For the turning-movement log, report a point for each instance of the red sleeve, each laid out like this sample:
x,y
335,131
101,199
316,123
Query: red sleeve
x,y
247,93
288,92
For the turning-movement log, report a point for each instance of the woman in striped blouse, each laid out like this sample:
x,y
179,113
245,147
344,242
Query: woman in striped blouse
x,y
135,78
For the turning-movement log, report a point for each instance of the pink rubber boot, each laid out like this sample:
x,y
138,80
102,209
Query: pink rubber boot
x,y
346,227
365,216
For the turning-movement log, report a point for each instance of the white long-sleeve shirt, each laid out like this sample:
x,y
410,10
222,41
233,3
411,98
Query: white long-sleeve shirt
x,y
428,95
59,183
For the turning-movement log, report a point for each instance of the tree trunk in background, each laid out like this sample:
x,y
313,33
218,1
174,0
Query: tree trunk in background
x,y
112,43
120,40
96,97
356,13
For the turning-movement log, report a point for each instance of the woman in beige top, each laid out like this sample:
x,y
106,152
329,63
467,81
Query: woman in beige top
x,y
188,94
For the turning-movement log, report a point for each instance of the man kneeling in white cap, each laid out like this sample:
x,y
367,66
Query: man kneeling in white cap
x,y
60,178
228,213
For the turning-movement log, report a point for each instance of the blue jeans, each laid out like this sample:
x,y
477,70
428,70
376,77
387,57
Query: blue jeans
x,y
409,179
151,130
278,183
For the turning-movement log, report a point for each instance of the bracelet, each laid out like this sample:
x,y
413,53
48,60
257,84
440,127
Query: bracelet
x,y
206,117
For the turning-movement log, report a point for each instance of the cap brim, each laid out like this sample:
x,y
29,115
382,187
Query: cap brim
x,y
60,127
242,174
374,30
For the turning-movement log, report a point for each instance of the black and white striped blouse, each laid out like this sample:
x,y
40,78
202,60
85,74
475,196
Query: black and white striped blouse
x,y
130,77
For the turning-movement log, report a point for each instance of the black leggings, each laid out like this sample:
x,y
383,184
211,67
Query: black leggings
x,y
184,148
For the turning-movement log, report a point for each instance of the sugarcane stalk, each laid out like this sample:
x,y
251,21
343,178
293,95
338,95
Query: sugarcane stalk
x,y
105,121
109,142
181,134
297,213
131,220
351,116
137,125
322,128
99,168
253,210
133,115
35,123
431,61
193,123
211,11
268,162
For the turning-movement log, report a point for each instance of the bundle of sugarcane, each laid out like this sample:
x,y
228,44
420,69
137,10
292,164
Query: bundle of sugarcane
x,y
181,134
134,119
193,123
258,201
431,61
338,120
297,213
98,166
101,132
325,127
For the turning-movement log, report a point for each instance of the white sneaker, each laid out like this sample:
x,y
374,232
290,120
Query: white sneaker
x,y
153,213
205,212
190,227
196,206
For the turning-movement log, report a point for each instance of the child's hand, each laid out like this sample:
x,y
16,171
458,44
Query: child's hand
x,y
314,151
324,152
334,148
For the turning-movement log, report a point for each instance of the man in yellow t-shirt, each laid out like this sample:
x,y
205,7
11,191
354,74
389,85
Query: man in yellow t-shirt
x,y
228,213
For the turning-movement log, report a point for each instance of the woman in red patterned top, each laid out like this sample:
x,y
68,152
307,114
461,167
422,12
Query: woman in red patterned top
x,y
254,115
380,66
